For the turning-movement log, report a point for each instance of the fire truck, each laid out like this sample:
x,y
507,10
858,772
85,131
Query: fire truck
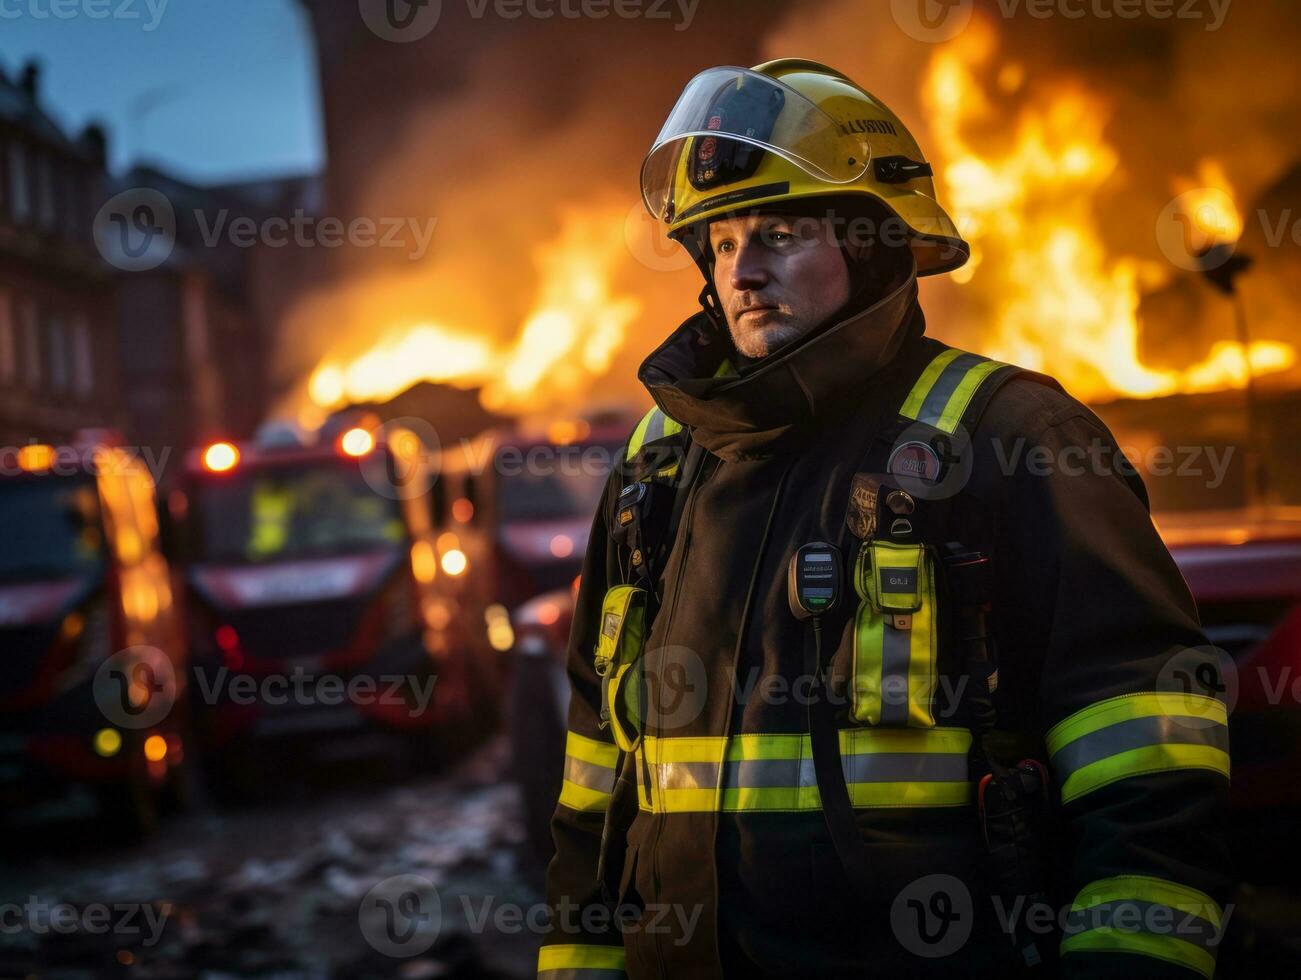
x,y
309,576
93,684
512,511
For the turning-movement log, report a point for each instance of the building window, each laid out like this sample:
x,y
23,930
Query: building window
x,y
46,168
71,202
31,344
83,360
20,204
58,353
8,358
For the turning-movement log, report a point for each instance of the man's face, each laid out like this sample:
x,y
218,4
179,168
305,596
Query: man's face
x,y
778,277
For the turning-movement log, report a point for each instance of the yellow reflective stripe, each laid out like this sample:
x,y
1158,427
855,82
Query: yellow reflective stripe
x,y
921,388
1135,735
735,799
582,754
1101,714
1140,762
639,434
1186,932
583,798
1110,940
654,425
945,388
939,741
574,957
591,750
962,395
686,773
1146,888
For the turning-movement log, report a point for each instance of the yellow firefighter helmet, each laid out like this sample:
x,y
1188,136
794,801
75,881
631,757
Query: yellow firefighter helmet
x,y
785,130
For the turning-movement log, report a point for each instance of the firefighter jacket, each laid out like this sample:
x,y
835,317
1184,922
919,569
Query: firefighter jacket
x,y
727,867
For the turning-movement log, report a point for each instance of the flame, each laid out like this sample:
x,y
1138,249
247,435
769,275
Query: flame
x,y
571,336
1209,203
1025,196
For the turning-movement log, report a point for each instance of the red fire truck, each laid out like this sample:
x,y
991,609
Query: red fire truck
x,y
93,681
309,575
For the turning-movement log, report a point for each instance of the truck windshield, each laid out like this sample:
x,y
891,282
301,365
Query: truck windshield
x,y
563,487
50,527
276,513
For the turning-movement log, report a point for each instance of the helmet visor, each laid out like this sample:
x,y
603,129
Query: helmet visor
x,y
724,123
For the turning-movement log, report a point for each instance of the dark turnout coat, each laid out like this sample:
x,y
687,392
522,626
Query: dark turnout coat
x,y
728,867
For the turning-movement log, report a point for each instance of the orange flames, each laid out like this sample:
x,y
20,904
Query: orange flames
x,y
1027,177
576,326
1026,195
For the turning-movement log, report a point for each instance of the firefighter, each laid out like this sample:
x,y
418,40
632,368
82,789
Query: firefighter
x,y
878,661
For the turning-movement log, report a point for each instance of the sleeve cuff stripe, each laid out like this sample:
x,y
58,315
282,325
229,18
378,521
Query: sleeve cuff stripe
x,y
1194,710
581,798
558,961
1167,948
591,750
1146,761
1149,889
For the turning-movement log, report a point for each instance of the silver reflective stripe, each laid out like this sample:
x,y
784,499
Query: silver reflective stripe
x,y
1151,918
766,773
685,775
896,647
1136,733
866,767
655,430
898,767
942,390
589,774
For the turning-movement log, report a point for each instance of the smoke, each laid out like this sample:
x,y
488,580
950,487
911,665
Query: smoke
x,y
501,128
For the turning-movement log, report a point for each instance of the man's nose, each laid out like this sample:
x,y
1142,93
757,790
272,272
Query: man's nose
x,y
749,271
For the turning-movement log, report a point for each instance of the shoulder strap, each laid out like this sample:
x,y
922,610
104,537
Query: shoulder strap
x,y
957,386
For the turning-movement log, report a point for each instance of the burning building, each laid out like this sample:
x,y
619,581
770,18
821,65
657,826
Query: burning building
x,y
1114,174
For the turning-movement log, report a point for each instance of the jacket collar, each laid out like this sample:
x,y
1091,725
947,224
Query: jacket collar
x,y
788,399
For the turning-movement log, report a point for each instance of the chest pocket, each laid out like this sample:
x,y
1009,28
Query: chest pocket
x,y
619,662
894,672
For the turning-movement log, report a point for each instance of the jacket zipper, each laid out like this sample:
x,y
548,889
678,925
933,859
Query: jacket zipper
x,y
659,680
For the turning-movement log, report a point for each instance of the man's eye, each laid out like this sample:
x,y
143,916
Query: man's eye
x,y
725,246
779,237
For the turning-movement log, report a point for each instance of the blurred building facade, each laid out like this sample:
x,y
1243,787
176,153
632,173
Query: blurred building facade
x,y
169,356
58,343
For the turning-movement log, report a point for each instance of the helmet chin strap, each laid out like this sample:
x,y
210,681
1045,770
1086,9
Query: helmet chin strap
x,y
695,239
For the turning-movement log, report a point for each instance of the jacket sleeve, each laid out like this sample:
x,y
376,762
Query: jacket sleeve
x,y
1137,744
583,941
